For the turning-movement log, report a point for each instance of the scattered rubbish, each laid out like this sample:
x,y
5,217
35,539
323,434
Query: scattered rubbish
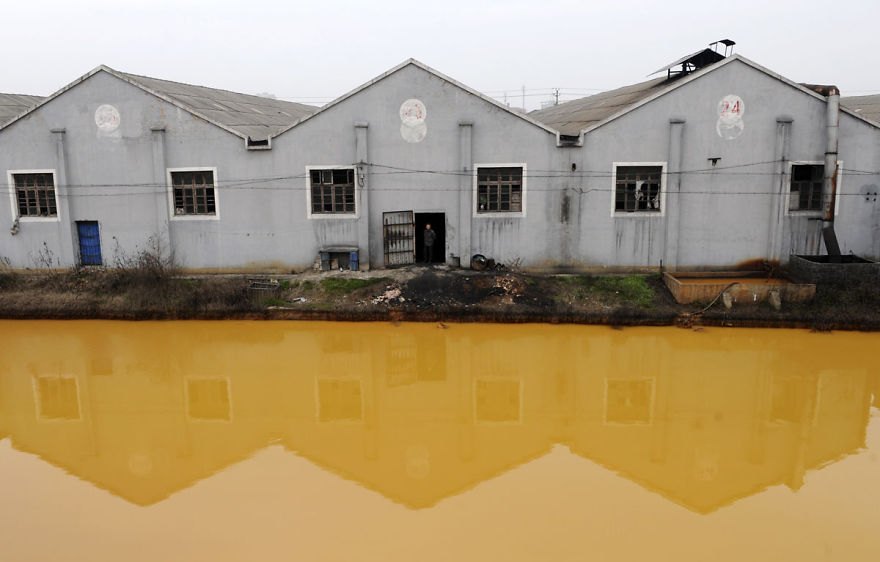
x,y
299,299
392,293
510,287
479,262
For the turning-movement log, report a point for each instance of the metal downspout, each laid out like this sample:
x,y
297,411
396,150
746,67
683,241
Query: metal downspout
x,y
829,183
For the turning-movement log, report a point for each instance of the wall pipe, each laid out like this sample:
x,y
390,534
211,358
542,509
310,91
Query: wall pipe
x,y
829,183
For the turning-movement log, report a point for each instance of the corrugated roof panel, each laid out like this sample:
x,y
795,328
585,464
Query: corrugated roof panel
x,y
244,113
13,105
570,118
866,106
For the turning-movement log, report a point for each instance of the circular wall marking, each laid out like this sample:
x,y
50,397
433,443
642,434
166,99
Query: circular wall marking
x,y
730,117
413,114
107,118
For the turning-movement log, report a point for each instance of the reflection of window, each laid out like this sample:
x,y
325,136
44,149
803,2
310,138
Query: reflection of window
x,y
402,361
57,398
340,400
497,400
629,401
208,399
787,398
413,360
637,188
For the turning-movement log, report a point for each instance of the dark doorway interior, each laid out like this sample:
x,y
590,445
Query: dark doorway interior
x,y
438,224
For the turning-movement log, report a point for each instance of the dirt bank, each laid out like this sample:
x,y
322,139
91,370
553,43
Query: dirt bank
x,y
416,293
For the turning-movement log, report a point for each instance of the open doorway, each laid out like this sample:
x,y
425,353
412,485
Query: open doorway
x,y
438,225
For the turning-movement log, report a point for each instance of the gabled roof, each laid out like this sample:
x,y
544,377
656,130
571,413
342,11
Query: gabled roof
x,y
13,105
255,117
585,114
865,106
247,116
571,117
437,74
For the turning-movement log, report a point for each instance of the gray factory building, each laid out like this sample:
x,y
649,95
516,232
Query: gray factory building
x,y
715,163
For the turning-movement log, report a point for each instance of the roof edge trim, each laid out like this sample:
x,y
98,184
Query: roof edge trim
x,y
135,83
429,70
695,75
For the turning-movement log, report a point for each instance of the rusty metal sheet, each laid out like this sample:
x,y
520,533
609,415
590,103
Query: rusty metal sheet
x,y
398,237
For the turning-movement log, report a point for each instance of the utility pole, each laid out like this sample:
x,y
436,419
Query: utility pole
x,y
556,95
524,96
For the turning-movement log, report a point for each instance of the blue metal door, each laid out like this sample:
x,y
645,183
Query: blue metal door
x,y
89,242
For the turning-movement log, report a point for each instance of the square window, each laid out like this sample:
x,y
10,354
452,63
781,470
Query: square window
x,y
332,191
193,192
499,190
638,189
35,194
806,187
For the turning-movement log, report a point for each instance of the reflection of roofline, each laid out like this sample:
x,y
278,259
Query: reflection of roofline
x,y
347,475
186,484
670,496
429,70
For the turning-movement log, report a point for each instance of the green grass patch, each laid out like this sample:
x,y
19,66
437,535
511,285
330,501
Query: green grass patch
x,y
632,289
343,285
272,301
577,280
308,285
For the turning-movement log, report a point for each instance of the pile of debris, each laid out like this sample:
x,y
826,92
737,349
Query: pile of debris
x,y
509,287
391,294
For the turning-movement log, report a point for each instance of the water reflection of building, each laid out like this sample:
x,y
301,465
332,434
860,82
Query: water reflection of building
x,y
419,413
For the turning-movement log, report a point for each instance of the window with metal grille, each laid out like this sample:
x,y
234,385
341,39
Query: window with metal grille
x,y
637,188
499,190
194,192
35,193
332,190
806,187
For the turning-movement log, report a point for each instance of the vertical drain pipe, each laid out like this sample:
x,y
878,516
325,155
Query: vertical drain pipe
x,y
829,183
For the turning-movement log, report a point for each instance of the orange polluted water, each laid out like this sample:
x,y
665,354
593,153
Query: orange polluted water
x,y
333,441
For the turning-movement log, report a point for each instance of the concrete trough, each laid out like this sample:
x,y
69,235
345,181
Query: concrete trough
x,y
744,287
833,269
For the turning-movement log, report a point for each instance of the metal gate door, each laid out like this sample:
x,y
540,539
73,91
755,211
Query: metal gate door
x,y
399,237
89,242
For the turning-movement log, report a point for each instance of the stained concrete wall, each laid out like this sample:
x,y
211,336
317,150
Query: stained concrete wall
x,y
712,216
724,213
433,175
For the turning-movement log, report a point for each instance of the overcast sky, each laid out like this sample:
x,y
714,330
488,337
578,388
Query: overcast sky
x,y
316,51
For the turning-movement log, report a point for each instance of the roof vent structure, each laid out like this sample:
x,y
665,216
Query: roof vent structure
x,y
695,61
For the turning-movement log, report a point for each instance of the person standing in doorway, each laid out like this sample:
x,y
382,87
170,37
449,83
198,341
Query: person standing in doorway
x,y
428,237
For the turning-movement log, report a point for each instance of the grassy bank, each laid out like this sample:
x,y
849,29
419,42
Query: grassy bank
x,y
149,288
